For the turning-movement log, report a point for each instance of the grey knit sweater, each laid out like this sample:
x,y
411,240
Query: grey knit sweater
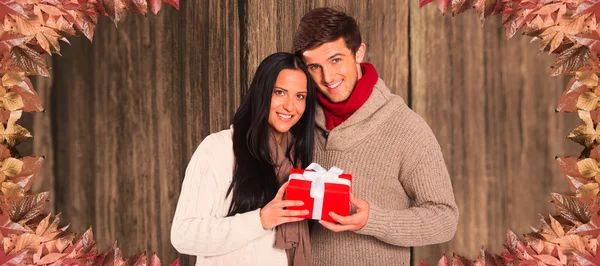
x,y
398,168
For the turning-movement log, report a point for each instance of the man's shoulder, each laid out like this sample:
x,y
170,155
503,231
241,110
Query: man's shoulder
x,y
400,114
402,120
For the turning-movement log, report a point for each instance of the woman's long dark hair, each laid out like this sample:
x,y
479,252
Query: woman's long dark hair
x,y
254,180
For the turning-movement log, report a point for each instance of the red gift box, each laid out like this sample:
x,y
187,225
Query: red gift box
x,y
321,191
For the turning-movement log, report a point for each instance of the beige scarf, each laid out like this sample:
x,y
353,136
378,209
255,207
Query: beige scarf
x,y
293,237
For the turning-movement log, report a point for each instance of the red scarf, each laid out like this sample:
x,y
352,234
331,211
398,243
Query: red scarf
x,y
336,113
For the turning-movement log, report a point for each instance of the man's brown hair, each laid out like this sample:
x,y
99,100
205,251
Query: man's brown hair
x,y
323,25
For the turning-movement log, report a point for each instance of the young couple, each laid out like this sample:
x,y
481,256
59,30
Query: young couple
x,y
321,104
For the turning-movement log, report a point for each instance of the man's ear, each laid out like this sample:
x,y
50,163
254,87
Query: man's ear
x,y
360,53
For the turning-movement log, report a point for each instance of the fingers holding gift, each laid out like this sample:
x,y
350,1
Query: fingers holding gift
x,y
352,222
281,191
289,203
274,214
360,204
293,213
346,220
336,227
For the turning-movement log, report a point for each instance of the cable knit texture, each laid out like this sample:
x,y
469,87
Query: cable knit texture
x,y
398,168
200,226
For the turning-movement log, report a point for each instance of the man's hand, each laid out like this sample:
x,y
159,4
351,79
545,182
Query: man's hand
x,y
353,222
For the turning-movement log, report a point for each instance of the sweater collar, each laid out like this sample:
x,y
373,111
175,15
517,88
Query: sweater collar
x,y
376,100
337,113
369,118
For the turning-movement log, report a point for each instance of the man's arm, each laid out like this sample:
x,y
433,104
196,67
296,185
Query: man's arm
x,y
431,219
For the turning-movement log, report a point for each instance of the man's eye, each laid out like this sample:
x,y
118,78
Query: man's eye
x,y
335,60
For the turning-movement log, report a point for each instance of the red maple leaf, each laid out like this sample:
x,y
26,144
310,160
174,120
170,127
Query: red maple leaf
x,y
585,260
588,6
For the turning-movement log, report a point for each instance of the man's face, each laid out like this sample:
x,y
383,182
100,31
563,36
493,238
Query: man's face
x,y
334,68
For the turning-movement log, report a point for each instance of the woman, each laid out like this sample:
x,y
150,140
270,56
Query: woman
x,y
231,207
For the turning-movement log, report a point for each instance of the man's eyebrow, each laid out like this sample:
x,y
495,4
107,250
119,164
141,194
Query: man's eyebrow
x,y
331,57
335,55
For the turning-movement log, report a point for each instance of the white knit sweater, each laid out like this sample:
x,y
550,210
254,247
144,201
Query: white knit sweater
x,y
200,226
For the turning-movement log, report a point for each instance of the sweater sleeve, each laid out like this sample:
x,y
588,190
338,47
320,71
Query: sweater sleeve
x,y
198,226
433,216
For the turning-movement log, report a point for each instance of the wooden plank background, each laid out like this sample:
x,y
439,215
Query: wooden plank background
x,y
126,112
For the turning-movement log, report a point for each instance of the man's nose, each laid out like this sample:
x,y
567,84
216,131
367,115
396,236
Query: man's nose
x,y
327,75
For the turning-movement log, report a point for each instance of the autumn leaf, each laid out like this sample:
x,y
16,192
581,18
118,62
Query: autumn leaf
x,y
568,167
459,6
589,40
10,167
570,60
588,6
176,262
155,6
8,41
13,134
573,243
84,245
588,101
485,8
175,3
586,134
114,9
589,168
588,260
51,258
589,228
141,6
458,260
29,61
11,7
31,167
568,100
110,257
11,189
570,208
13,259
589,78
28,207
516,247
11,101
587,191
31,100
8,227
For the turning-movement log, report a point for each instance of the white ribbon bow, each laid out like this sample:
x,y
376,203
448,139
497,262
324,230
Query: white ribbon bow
x,y
319,177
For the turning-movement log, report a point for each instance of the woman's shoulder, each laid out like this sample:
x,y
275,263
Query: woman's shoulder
x,y
216,148
218,139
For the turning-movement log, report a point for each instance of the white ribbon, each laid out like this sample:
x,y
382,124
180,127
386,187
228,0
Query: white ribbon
x,y
319,177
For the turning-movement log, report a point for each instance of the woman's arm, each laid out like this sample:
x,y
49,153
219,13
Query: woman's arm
x,y
198,226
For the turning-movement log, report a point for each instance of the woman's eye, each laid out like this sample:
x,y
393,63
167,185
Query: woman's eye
x,y
278,92
314,67
301,96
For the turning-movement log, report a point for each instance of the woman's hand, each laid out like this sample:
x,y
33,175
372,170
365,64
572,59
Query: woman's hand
x,y
273,213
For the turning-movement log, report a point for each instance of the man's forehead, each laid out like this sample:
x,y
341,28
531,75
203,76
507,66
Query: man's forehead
x,y
324,51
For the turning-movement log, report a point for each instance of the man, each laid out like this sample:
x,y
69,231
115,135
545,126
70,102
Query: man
x,y
402,191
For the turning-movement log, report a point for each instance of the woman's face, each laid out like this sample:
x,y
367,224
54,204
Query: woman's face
x,y
288,101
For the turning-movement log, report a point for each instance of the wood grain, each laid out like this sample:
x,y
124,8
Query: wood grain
x,y
383,24
490,103
127,112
